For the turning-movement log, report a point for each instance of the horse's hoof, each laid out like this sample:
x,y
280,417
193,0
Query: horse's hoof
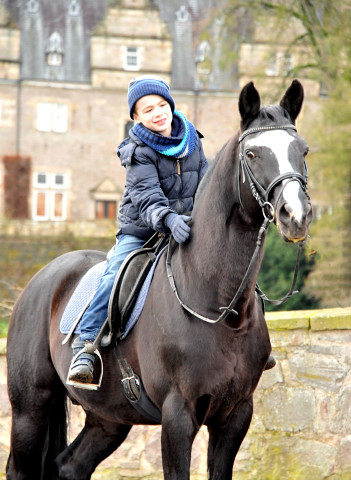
x,y
270,363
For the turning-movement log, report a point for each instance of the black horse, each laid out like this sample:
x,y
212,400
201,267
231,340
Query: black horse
x,y
199,352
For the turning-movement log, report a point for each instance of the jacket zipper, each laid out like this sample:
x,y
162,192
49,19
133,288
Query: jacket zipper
x,y
180,203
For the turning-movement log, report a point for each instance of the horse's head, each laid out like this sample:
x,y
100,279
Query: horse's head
x,y
272,158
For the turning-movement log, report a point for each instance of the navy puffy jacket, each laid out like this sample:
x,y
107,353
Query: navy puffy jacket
x,y
155,186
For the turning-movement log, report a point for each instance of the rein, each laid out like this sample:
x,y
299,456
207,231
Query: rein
x,y
230,308
268,213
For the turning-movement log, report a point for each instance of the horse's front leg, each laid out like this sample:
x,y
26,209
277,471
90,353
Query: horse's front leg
x,y
225,441
178,433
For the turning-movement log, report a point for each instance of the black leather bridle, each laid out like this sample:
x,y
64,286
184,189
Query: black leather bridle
x,y
262,196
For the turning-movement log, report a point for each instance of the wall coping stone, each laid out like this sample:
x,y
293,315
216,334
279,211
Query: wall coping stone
x,y
320,319
316,320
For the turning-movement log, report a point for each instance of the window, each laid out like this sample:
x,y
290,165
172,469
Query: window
x,y
132,58
106,209
54,51
105,197
50,180
52,117
59,180
49,196
280,64
288,63
272,69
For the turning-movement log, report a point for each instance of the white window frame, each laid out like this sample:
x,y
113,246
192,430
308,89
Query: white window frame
x,y
280,63
52,117
50,180
272,69
288,63
52,205
56,185
132,53
36,193
54,52
44,113
49,188
38,184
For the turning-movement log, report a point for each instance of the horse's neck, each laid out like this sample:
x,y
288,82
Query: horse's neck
x,y
214,263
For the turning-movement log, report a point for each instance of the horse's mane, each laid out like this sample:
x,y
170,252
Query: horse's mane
x,y
207,177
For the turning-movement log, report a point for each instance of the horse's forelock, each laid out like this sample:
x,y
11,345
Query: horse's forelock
x,y
272,113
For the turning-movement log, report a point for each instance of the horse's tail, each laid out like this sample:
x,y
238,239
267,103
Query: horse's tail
x,y
56,439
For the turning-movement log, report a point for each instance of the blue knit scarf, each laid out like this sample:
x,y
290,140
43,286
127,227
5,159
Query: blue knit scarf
x,y
182,142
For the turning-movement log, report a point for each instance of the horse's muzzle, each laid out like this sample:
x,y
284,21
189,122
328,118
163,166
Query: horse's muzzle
x,y
293,220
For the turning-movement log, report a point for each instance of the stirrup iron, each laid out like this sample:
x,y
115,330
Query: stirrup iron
x,y
86,386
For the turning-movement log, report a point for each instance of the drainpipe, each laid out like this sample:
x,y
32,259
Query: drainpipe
x,y
18,114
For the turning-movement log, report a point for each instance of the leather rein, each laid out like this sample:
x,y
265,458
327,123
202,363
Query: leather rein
x,y
262,196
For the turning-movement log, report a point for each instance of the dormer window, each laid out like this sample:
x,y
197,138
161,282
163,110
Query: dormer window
x,y
54,51
203,58
74,8
32,6
132,58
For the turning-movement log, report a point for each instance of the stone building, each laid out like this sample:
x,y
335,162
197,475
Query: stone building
x,y
64,71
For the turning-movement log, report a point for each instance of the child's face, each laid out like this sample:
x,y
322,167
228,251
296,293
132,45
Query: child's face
x,y
155,113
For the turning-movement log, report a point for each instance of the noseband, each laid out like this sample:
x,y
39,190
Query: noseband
x,y
260,194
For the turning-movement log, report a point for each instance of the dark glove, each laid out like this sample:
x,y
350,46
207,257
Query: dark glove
x,y
177,225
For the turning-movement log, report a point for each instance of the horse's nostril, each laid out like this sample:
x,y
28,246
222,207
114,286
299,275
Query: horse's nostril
x,y
288,208
285,213
295,218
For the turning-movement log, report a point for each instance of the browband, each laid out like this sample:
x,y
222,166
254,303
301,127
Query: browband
x,y
262,129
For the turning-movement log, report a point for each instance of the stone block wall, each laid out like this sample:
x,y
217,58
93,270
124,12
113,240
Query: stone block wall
x,y
302,412
301,428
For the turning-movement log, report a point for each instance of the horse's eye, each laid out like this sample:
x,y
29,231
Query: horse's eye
x,y
250,154
305,154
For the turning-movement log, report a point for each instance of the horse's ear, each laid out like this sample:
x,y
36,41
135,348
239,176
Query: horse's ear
x,y
293,99
249,104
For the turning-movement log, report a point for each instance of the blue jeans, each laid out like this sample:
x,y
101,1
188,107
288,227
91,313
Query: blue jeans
x,y
96,313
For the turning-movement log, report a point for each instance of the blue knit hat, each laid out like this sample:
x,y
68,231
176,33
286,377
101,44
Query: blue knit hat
x,y
147,85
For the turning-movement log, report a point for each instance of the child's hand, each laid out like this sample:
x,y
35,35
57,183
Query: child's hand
x,y
178,226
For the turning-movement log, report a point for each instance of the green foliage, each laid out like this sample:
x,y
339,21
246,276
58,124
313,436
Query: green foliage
x,y
330,182
3,328
277,271
318,32
318,29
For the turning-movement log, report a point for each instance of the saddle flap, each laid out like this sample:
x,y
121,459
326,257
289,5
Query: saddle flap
x,y
129,281
133,278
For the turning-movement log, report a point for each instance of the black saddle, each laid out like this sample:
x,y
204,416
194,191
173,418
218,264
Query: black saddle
x,y
127,285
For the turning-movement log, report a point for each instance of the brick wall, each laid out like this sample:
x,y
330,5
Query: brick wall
x,y
17,178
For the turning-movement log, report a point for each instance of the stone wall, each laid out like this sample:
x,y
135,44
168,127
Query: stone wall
x,y
301,427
